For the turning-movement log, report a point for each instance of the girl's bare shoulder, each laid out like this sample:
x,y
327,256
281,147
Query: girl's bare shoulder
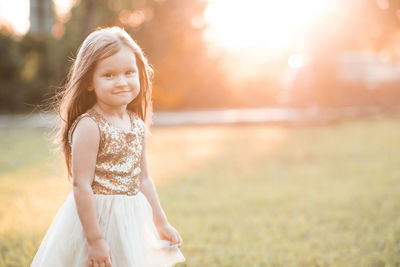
x,y
84,150
85,131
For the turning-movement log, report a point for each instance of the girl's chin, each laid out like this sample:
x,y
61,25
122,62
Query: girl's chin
x,y
120,102
126,97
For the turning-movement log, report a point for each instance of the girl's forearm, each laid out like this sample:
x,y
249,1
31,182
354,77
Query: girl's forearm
x,y
148,189
86,207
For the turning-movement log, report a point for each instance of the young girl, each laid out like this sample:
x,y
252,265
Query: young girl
x,y
113,216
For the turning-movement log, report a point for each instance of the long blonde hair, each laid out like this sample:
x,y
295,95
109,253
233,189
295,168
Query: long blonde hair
x,y
75,99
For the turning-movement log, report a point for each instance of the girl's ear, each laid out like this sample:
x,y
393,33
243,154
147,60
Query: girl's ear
x,y
90,88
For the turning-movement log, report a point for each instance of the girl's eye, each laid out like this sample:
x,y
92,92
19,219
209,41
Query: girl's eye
x,y
130,72
108,75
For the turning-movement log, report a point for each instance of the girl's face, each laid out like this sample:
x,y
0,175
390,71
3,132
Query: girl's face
x,y
116,78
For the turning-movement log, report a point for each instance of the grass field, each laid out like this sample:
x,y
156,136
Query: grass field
x,y
250,195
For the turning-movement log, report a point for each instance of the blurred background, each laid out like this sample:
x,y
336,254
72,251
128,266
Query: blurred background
x,y
215,54
282,146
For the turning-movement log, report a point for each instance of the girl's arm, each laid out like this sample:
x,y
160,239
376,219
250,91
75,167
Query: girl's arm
x,y
86,138
148,189
85,145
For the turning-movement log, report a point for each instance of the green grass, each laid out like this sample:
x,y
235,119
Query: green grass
x,y
21,147
240,195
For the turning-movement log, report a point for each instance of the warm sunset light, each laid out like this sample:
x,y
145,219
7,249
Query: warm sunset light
x,y
262,25
15,14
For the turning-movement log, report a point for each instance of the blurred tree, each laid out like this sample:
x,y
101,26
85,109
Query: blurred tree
x,y
186,75
376,29
11,63
41,16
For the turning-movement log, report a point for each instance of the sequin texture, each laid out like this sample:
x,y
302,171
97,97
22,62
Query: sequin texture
x,y
118,160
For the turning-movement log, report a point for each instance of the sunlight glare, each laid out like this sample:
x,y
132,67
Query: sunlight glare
x,y
16,14
297,61
259,24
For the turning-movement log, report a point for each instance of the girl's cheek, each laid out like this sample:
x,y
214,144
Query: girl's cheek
x,y
134,81
106,82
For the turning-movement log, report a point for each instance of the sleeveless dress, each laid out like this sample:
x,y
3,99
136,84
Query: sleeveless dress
x,y
123,212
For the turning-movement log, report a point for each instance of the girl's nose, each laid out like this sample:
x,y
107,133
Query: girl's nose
x,y
121,81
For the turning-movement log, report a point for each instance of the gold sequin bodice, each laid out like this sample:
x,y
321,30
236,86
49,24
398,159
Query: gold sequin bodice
x,y
118,159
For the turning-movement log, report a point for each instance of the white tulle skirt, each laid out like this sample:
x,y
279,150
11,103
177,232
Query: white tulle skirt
x,y
127,225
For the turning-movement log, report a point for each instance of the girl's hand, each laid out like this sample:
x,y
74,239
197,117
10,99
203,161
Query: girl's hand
x,y
99,254
167,232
